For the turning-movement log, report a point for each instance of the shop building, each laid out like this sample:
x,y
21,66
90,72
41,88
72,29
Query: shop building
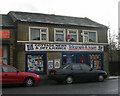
x,y
7,40
45,41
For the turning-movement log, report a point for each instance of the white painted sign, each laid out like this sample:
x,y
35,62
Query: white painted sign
x,y
57,63
50,64
62,47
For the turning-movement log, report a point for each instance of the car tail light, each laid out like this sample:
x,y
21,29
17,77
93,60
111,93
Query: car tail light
x,y
56,73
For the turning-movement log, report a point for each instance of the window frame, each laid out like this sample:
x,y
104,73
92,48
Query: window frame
x,y
76,34
47,34
83,31
64,33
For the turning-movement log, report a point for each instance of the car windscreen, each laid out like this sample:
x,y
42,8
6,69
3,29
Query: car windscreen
x,y
66,67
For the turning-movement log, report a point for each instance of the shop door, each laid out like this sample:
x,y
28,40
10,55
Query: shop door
x,y
83,59
36,63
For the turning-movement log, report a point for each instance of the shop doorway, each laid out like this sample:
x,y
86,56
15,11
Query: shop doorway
x,y
36,63
69,59
83,59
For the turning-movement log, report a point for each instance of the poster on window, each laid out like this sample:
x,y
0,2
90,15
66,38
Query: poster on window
x,y
57,63
35,63
50,64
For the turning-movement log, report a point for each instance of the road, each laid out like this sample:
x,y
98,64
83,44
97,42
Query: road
x,y
51,87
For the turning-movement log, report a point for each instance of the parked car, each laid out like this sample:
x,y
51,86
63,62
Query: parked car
x,y
11,75
74,72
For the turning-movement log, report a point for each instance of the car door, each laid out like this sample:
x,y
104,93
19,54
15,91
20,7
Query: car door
x,y
87,74
9,75
76,71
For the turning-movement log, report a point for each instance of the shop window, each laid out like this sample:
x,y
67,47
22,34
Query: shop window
x,y
36,63
89,36
38,34
73,35
59,35
95,61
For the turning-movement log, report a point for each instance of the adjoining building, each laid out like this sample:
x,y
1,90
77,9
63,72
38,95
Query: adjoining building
x,y
7,40
45,41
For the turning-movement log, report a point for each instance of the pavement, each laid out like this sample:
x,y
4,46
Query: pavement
x,y
113,77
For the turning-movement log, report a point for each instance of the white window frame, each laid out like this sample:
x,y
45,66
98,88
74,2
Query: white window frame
x,y
59,33
47,35
83,31
76,33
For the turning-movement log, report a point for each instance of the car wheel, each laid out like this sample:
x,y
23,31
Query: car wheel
x,y
29,82
69,80
100,78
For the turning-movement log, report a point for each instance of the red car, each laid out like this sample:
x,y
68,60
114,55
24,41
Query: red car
x,y
11,75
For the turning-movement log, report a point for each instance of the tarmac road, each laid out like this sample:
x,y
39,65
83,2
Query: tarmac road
x,y
52,87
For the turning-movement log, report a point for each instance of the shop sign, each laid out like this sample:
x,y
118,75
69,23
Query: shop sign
x,y
4,34
62,47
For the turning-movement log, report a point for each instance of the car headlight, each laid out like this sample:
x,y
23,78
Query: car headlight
x,y
38,76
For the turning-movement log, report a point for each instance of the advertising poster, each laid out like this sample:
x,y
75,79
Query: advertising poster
x,y
50,64
57,63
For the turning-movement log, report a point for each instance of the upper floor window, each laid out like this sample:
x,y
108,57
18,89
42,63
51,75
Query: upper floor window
x,y
89,36
72,35
39,34
59,35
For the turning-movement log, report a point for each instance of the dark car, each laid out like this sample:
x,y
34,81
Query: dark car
x,y
75,72
11,75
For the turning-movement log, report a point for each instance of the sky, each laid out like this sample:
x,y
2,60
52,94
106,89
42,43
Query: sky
x,y
102,11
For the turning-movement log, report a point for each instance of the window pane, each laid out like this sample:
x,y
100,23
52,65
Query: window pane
x,y
43,30
8,69
43,36
85,38
59,37
35,34
73,38
76,66
59,31
85,67
92,37
73,58
72,32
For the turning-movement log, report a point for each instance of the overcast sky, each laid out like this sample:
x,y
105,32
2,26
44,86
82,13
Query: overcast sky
x,y
101,11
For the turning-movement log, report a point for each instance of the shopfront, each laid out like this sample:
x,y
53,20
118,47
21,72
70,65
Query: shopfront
x,y
42,57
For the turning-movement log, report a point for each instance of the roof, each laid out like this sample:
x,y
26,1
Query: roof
x,y
6,21
54,19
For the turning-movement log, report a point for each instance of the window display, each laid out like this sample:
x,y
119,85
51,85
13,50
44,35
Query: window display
x,y
35,63
95,61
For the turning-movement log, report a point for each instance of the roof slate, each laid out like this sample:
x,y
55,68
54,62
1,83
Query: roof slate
x,y
6,21
54,19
